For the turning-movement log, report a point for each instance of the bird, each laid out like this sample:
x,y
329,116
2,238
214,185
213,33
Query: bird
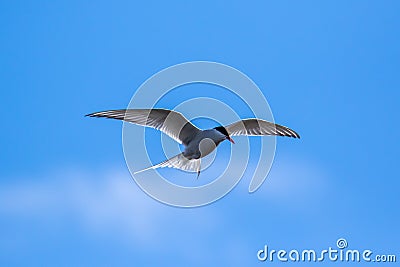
x,y
197,143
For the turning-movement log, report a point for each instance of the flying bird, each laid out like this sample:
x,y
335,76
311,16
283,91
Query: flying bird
x,y
197,143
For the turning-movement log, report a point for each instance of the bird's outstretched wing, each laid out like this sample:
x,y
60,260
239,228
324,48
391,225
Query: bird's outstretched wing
x,y
172,123
259,127
178,162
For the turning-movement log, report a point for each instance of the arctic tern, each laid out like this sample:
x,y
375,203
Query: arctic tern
x,y
198,143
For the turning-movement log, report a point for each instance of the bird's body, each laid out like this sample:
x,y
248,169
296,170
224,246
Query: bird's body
x,y
198,143
203,143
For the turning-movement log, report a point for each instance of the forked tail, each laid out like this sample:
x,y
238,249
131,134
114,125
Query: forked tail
x,y
178,162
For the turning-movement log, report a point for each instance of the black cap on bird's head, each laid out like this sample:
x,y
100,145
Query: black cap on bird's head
x,y
222,130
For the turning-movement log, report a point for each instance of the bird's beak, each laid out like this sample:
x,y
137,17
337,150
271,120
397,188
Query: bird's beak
x,y
230,140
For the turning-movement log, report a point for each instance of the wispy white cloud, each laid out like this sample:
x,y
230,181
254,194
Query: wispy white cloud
x,y
100,200
103,203
108,204
292,185
295,179
111,195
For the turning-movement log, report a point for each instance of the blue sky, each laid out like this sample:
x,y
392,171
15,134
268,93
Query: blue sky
x,y
329,70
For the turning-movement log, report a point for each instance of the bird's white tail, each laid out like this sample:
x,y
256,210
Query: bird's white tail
x,y
179,162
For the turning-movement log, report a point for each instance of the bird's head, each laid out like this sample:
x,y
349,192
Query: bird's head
x,y
222,130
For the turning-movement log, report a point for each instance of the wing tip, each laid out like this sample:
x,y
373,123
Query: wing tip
x,y
94,114
103,114
296,135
